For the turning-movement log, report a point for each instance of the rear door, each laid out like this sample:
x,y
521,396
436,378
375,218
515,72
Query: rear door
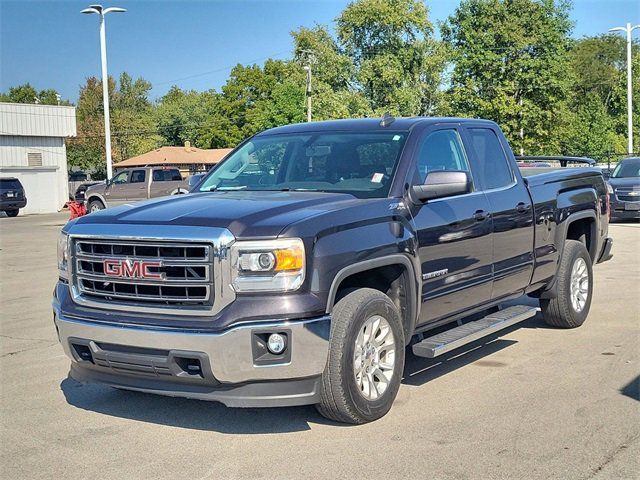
x,y
454,233
165,181
511,209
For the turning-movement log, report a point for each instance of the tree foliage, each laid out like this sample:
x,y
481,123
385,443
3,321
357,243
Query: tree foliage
x,y
511,61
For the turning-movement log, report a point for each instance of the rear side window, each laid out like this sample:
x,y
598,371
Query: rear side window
x,y
441,150
494,168
167,175
138,176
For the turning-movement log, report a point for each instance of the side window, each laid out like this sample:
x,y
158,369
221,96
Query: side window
x,y
120,178
175,176
494,168
441,150
137,176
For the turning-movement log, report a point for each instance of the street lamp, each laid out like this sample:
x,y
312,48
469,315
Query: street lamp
x,y
99,10
628,29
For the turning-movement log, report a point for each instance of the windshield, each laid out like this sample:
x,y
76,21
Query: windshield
x,y
627,168
361,164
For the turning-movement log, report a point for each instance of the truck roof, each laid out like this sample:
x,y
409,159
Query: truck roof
x,y
368,124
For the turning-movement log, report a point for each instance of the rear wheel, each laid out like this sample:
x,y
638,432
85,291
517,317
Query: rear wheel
x,y
575,286
95,205
366,358
12,213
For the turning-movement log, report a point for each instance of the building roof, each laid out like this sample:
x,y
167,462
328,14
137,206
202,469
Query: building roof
x,y
32,120
175,156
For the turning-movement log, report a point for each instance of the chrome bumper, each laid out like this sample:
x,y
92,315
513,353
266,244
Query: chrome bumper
x,y
229,354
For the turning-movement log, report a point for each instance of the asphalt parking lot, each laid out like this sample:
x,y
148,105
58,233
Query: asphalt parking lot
x,y
531,402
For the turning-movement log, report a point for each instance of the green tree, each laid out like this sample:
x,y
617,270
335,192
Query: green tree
x,y
183,116
511,65
255,98
599,95
398,63
27,94
133,128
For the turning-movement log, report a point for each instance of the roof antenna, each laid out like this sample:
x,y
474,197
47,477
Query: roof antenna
x,y
387,119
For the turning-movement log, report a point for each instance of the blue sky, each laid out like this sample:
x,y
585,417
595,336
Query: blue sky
x,y
193,44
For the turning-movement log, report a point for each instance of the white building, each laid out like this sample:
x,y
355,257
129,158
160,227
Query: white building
x,y
32,149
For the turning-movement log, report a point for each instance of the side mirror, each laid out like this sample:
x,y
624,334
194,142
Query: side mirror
x,y
439,184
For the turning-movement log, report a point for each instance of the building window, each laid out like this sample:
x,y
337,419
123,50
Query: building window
x,y
34,159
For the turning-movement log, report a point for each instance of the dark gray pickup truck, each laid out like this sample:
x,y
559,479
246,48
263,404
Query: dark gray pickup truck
x,y
301,268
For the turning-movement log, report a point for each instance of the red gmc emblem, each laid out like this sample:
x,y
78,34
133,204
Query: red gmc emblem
x,y
131,269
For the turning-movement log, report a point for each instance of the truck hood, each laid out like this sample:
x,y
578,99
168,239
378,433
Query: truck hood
x,y
625,182
245,214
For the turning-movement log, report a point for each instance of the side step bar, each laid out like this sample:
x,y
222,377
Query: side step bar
x,y
456,337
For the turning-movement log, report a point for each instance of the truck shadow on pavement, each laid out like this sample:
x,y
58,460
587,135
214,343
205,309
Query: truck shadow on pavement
x,y
212,416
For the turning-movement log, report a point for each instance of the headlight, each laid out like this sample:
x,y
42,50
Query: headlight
x,y
268,266
609,188
63,255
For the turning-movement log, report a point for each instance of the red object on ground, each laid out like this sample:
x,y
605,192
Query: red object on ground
x,y
77,209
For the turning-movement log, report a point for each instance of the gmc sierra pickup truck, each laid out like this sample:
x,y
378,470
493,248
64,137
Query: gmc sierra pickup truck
x,y
302,266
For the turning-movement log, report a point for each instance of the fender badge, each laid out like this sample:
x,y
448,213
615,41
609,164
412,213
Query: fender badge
x,y
437,273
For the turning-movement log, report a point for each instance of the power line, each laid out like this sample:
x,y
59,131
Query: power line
x,y
222,69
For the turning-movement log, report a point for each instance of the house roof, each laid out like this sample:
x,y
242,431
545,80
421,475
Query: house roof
x,y
175,156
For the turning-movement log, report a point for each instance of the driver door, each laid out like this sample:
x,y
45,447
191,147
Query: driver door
x,y
116,192
454,233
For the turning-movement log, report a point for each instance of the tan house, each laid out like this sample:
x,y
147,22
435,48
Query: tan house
x,y
188,159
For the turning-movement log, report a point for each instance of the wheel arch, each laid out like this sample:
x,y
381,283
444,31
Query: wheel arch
x,y
572,228
393,275
96,196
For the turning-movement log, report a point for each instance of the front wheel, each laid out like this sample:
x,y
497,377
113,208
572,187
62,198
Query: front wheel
x,y
366,358
95,205
12,213
575,287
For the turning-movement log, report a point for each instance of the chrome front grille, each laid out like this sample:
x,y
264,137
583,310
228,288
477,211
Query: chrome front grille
x,y
628,194
164,274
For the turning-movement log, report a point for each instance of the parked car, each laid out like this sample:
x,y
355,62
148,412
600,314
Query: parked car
x,y
358,239
12,196
135,184
625,183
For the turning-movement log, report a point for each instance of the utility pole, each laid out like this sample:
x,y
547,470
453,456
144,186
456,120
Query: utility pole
x,y
308,91
99,10
628,29
308,59
521,127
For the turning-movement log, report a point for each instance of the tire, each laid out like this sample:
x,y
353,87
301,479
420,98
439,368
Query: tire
x,y
95,205
343,397
566,310
12,213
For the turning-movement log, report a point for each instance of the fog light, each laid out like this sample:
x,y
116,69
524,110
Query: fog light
x,y
276,343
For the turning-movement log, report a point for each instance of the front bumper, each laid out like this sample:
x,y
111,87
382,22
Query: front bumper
x,y
229,366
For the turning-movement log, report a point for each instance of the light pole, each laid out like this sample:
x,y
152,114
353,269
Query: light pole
x,y
628,29
99,10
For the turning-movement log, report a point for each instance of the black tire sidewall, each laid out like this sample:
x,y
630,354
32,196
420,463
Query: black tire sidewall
x,y
577,250
95,202
12,212
373,409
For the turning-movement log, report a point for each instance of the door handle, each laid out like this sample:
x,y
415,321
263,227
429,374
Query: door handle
x,y
480,215
522,207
